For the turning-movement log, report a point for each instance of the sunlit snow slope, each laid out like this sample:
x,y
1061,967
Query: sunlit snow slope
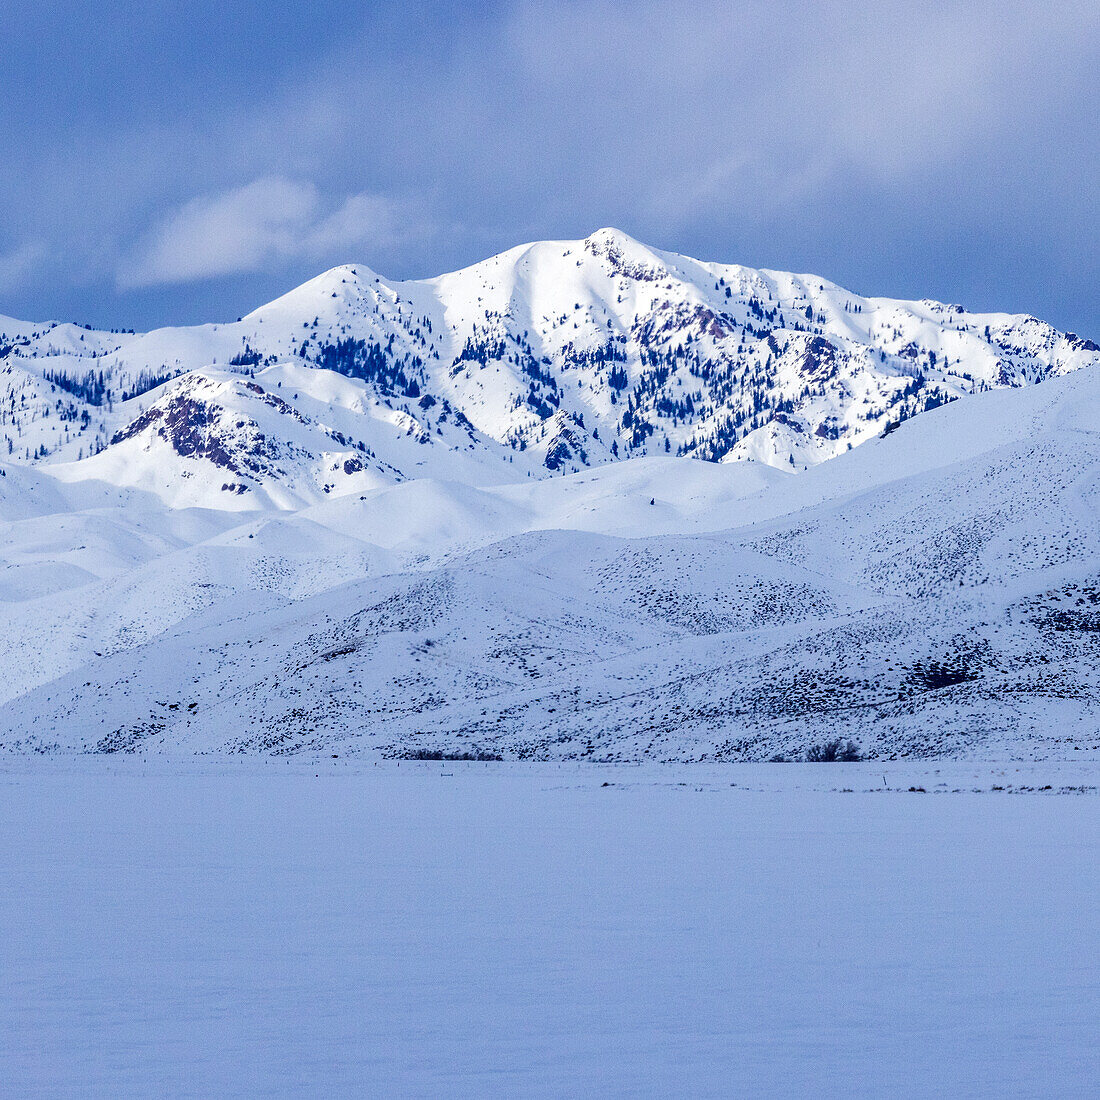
x,y
933,592
584,499
546,359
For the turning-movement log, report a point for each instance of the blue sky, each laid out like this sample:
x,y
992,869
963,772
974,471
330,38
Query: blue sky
x,y
177,162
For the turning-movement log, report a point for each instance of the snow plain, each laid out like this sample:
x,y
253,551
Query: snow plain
x,y
335,927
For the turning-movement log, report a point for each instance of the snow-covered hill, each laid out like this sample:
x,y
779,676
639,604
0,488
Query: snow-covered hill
x,y
471,514
934,592
546,359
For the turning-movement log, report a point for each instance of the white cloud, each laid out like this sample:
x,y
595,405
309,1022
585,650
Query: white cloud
x,y
17,264
363,219
941,148
768,101
254,227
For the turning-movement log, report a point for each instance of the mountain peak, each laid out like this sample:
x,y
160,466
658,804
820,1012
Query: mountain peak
x,y
610,235
614,243
345,282
544,359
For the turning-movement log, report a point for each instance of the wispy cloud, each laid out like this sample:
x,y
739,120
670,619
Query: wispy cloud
x,y
17,264
943,149
261,225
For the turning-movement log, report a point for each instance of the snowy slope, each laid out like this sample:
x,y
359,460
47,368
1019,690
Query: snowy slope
x,y
548,358
935,592
388,516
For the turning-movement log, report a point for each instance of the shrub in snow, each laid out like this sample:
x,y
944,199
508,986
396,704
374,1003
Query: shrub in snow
x,y
827,752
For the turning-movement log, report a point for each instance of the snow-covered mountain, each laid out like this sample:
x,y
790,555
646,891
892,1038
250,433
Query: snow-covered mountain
x,y
935,592
388,518
548,358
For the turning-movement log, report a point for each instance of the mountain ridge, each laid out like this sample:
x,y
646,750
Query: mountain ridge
x,y
548,358
934,592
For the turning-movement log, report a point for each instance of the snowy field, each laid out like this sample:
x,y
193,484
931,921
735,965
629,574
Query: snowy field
x,y
334,927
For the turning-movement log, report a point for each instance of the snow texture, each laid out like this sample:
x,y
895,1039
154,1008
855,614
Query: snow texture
x,y
441,517
314,928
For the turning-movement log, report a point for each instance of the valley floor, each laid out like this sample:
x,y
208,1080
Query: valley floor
x,y
332,927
